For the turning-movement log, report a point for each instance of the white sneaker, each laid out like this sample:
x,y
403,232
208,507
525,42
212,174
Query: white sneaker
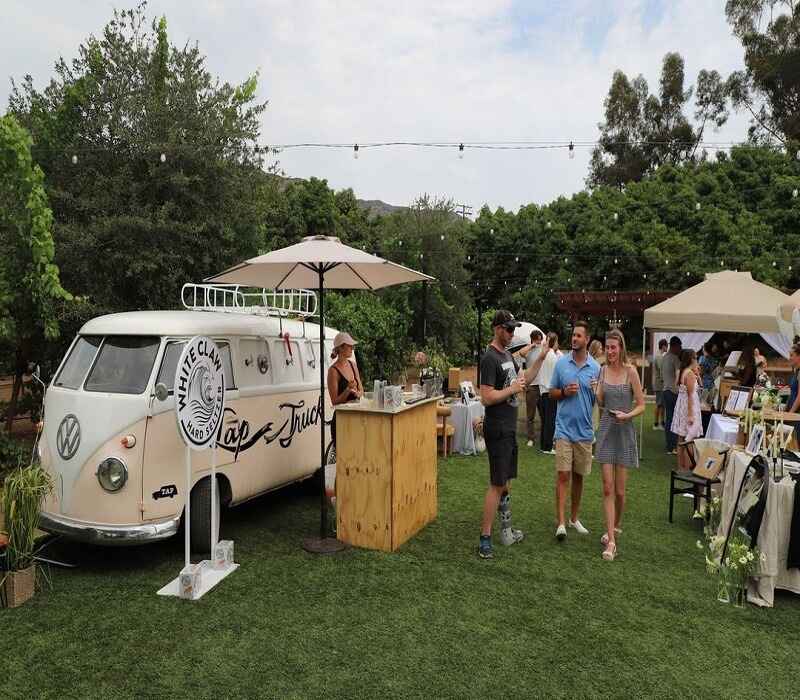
x,y
561,533
548,452
579,527
530,443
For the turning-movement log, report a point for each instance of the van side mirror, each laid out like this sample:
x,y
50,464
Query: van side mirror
x,y
161,391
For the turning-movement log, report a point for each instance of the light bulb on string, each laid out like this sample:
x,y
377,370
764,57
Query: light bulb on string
x,y
421,255
644,275
491,232
666,262
616,216
461,151
74,159
795,193
722,263
516,258
355,151
441,237
774,263
549,224
615,261
163,157
571,150
697,206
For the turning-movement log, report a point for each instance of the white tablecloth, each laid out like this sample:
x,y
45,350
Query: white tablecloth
x,y
723,428
773,537
461,418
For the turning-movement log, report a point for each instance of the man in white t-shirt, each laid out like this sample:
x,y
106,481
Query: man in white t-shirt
x,y
531,352
547,408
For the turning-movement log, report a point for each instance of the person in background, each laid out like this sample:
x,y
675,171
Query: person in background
x,y
747,372
530,352
501,384
547,407
620,396
596,353
658,383
687,423
708,364
670,367
794,385
573,387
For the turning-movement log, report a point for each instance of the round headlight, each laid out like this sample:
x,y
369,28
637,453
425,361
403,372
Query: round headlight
x,y
112,474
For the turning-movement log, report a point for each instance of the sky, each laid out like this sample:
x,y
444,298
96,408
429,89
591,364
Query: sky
x,y
449,71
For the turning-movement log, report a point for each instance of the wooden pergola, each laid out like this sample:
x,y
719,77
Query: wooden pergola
x,y
608,303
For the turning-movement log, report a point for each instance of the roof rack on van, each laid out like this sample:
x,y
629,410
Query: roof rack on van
x,y
231,298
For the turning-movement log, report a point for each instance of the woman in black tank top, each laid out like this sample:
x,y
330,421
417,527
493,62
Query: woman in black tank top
x,y
344,381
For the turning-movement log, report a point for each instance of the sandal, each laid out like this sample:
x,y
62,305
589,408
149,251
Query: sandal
x,y
604,538
610,551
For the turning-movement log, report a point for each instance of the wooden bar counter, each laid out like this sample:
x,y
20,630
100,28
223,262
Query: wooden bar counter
x,y
386,489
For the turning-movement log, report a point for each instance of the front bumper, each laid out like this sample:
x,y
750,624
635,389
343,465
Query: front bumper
x,y
120,535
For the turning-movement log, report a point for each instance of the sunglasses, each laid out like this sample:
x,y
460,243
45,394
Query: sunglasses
x,y
510,329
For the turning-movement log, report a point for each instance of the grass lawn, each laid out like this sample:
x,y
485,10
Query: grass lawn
x,y
431,620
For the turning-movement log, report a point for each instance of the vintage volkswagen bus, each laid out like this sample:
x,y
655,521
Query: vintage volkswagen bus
x,y
110,437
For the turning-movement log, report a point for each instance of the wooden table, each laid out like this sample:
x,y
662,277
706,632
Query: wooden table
x,y
386,471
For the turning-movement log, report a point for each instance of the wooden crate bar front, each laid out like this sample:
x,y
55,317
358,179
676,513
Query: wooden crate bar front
x,y
386,488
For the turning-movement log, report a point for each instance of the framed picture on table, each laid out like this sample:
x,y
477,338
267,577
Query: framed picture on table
x,y
756,439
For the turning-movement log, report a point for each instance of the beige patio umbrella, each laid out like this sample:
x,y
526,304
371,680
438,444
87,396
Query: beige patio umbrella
x,y
319,262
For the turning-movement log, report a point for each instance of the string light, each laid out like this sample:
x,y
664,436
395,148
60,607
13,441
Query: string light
x,y
795,193
74,160
461,151
549,224
697,206
441,237
400,243
163,157
571,150
355,151
616,216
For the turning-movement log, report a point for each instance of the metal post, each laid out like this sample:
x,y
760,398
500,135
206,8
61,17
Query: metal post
x,y
641,418
186,508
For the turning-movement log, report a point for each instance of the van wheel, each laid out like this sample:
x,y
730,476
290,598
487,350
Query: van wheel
x,y
200,516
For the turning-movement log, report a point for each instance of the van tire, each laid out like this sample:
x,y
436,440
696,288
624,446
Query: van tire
x,y
200,515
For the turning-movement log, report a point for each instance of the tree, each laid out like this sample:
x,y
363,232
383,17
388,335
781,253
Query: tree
x,y
150,163
30,288
643,131
769,88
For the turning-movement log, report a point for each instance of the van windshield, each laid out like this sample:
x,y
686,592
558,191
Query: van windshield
x,y
78,363
124,364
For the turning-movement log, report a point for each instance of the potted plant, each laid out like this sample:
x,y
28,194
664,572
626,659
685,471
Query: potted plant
x,y
24,491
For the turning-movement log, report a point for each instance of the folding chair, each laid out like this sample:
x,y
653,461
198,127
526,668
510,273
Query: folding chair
x,y
708,458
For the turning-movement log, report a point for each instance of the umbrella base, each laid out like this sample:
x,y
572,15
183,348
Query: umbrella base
x,y
323,545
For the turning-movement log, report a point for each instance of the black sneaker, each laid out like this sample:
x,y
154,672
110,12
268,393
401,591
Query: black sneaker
x,y
485,550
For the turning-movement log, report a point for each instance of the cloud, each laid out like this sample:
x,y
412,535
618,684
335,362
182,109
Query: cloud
x,y
451,71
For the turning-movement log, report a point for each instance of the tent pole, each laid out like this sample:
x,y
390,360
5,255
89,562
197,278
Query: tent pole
x,y
644,359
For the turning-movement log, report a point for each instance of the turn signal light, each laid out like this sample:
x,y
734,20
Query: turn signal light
x,y
128,441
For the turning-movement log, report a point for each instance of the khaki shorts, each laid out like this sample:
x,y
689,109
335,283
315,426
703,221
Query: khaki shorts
x,y
574,456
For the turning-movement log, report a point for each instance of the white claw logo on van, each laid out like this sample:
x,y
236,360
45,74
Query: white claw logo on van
x,y
68,437
199,392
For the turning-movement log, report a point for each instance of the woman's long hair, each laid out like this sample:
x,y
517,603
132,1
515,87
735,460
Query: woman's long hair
x,y
552,340
686,358
615,334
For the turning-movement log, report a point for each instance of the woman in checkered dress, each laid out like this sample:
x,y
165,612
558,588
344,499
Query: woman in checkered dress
x,y
621,399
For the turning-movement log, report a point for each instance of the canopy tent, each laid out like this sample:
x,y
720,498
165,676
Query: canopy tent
x,y
724,301
789,317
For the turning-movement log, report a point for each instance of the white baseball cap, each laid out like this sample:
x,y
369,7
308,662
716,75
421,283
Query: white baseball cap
x,y
343,339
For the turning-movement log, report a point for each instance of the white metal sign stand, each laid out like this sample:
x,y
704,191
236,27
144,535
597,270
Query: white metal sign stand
x,y
199,407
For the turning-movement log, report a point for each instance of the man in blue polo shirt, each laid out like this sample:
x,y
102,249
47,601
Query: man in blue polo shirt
x,y
573,387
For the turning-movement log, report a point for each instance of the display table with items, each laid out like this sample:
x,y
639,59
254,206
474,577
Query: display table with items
x,y
386,472
723,428
463,418
774,494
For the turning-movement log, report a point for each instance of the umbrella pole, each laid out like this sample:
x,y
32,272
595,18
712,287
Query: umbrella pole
x,y
322,544
323,509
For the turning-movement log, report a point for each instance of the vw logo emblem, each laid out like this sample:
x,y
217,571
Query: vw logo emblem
x,y
68,438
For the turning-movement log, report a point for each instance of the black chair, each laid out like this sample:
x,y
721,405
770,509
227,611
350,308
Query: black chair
x,y
698,486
